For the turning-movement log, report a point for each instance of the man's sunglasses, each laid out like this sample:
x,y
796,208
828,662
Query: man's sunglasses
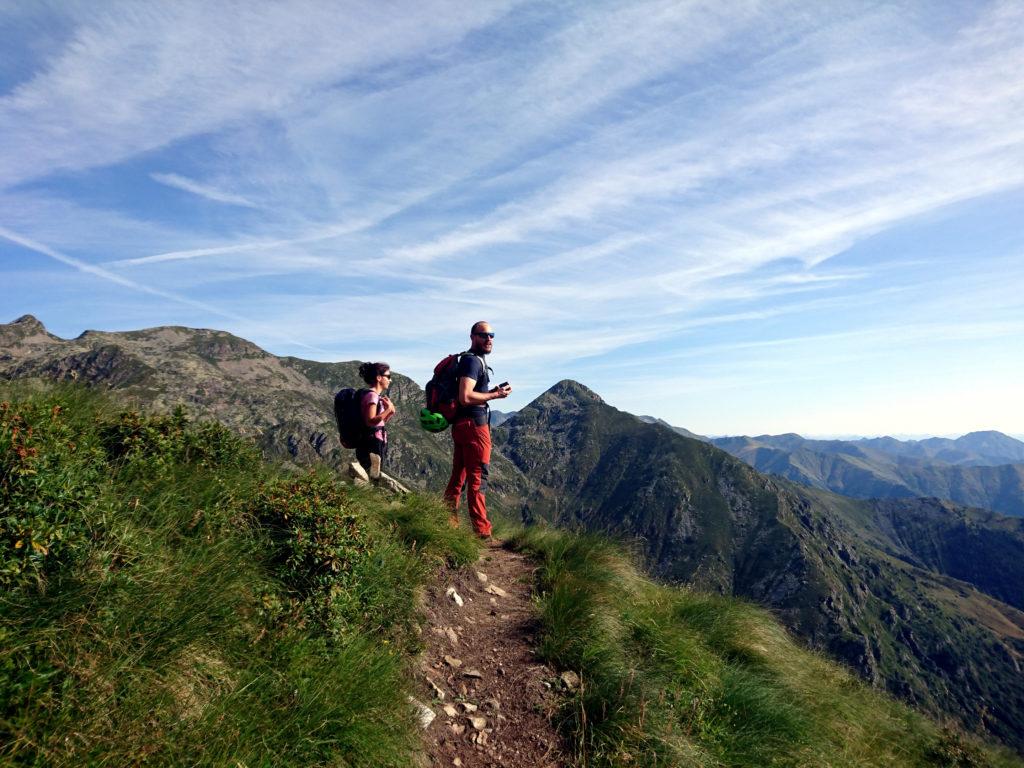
x,y
487,335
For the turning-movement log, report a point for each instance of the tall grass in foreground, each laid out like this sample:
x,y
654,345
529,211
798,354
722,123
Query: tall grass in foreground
x,y
165,598
675,678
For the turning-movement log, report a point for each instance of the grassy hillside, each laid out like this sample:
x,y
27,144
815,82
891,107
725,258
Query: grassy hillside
x,y
671,677
168,599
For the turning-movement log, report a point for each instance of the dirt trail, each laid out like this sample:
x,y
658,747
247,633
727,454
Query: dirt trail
x,y
492,698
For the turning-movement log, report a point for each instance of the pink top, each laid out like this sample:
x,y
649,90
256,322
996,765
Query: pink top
x,y
376,430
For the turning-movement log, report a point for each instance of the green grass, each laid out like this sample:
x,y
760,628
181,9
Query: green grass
x,y
167,598
671,677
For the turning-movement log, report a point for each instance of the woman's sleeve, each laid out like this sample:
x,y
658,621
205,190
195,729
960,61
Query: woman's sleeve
x,y
371,404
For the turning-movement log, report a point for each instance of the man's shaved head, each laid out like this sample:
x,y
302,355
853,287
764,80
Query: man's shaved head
x,y
481,344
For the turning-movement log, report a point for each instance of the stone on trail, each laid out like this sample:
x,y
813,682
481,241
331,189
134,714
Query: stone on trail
x,y
357,473
570,679
450,710
479,723
468,708
390,485
451,661
452,637
493,590
473,673
437,690
455,596
481,577
423,713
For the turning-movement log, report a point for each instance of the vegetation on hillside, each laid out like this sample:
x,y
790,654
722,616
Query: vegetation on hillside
x,y
671,677
873,584
167,598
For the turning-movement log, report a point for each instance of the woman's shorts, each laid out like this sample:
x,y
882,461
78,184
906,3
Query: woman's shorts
x,y
368,446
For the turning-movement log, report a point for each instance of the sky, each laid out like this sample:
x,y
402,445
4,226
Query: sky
x,y
743,218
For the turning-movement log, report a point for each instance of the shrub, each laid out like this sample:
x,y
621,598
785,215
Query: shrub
x,y
340,568
51,479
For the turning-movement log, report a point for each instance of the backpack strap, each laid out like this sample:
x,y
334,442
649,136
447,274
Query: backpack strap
x,y
487,370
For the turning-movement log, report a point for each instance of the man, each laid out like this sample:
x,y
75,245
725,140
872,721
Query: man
x,y
471,431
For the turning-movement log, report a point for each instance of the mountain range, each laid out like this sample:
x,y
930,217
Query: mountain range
x,y
922,597
980,469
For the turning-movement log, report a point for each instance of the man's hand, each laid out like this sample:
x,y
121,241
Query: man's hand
x,y
500,393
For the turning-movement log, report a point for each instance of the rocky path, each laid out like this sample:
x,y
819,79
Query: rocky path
x,y
491,697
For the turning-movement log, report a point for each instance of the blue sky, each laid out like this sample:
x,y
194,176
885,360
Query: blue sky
x,y
743,218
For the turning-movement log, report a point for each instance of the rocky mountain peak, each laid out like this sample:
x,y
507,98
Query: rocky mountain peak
x,y
29,323
25,327
567,389
985,435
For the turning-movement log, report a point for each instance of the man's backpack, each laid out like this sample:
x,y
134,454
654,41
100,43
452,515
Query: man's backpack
x,y
348,412
443,389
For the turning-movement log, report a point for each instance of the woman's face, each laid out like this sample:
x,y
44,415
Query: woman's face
x,y
384,379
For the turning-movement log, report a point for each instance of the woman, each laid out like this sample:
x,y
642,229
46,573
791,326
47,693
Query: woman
x,y
377,410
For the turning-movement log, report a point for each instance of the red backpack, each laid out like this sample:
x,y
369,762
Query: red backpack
x,y
443,389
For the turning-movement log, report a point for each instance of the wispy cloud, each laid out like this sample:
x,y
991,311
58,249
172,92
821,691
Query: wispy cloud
x,y
611,183
202,190
128,86
104,274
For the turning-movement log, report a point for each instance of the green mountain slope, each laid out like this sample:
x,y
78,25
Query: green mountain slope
x,y
284,402
958,470
823,563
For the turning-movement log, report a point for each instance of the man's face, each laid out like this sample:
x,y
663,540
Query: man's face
x,y
482,343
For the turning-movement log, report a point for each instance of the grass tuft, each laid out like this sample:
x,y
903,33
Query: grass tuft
x,y
671,677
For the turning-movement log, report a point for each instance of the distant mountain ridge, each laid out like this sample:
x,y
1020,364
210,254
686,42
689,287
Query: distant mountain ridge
x,y
680,430
977,469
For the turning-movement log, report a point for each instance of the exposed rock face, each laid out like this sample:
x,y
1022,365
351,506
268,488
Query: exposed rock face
x,y
876,584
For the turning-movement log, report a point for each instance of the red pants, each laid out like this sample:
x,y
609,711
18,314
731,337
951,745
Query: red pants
x,y
470,461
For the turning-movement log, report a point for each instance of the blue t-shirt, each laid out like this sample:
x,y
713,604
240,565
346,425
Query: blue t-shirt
x,y
473,367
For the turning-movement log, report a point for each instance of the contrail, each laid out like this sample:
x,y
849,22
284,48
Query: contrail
x,y
105,274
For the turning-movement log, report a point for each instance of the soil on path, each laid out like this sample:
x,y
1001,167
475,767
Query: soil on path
x,y
492,698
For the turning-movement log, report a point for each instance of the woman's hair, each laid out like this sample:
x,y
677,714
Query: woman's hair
x,y
370,371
